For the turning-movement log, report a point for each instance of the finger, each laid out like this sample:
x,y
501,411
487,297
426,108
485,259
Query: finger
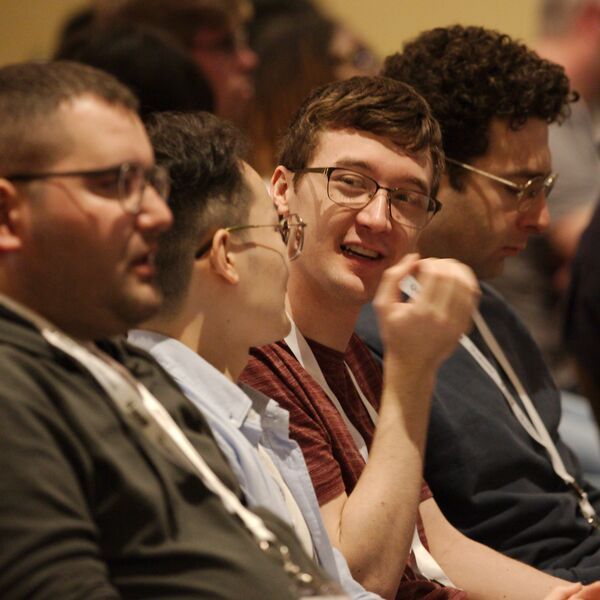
x,y
388,290
590,592
564,592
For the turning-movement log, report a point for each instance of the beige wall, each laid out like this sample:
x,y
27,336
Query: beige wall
x,y
387,23
28,27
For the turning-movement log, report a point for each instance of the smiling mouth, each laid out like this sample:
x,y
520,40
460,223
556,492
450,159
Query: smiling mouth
x,y
360,252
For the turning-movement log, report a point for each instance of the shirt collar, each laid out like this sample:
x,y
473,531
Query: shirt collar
x,y
200,381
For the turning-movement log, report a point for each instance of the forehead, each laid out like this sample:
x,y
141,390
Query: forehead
x,y
93,133
525,148
373,155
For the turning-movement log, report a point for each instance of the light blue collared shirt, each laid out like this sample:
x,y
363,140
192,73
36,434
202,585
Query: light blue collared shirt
x,y
240,420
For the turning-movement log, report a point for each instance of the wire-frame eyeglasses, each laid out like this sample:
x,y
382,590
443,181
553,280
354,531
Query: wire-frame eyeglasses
x,y
125,182
354,190
526,193
291,229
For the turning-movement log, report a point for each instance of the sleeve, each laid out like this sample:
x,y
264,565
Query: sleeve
x,y
273,372
49,540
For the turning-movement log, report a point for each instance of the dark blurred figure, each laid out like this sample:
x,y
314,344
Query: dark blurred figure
x,y
212,32
151,64
298,49
582,329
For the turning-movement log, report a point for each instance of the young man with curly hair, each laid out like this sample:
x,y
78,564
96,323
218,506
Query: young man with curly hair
x,y
494,461
360,163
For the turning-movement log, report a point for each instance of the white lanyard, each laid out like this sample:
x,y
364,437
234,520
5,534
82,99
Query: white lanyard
x,y
296,342
533,425
146,414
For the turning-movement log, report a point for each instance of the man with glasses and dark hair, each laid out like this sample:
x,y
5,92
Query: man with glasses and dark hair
x,y
223,270
495,461
112,483
361,163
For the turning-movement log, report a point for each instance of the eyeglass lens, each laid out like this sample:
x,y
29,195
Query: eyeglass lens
x,y
351,189
292,233
133,180
532,190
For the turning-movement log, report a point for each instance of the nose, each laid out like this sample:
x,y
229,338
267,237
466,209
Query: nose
x,y
154,214
536,219
376,215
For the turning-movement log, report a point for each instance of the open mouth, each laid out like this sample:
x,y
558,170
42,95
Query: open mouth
x,y
360,252
144,266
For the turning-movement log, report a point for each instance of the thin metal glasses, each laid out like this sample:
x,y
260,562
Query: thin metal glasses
x,y
125,182
355,190
526,193
291,229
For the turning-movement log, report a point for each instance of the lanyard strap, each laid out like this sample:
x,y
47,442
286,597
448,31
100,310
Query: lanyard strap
x,y
144,413
424,562
533,425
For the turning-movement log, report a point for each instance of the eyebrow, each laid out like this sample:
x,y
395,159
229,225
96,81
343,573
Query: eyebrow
x,y
351,163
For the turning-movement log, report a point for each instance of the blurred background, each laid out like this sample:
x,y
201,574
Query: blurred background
x,y
28,28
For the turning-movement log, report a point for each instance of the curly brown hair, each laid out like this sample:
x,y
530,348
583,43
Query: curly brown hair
x,y
471,75
377,105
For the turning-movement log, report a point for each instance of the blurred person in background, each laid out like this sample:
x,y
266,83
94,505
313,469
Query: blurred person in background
x,y
212,32
299,48
582,326
147,61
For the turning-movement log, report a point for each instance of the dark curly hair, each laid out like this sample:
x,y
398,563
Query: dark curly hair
x,y
471,75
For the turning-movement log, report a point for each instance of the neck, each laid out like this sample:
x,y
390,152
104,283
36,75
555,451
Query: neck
x,y
326,321
204,330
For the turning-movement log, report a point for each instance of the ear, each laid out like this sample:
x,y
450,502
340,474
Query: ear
x,y
282,185
10,217
221,259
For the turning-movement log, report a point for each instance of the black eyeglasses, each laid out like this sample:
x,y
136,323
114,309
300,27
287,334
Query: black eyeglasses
x,y
291,229
125,182
354,190
526,193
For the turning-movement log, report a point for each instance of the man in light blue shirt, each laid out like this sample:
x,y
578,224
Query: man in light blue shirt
x,y
223,271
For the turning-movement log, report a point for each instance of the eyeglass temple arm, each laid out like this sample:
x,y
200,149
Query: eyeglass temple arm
x,y
510,184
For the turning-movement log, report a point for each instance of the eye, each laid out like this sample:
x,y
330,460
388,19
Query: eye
x,y
407,200
104,184
350,182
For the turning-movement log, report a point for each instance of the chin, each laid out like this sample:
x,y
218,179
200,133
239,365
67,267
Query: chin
x,y
274,330
136,309
491,270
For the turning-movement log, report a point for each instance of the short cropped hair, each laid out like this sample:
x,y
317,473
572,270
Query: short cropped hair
x,y
471,75
31,94
181,18
376,105
204,156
